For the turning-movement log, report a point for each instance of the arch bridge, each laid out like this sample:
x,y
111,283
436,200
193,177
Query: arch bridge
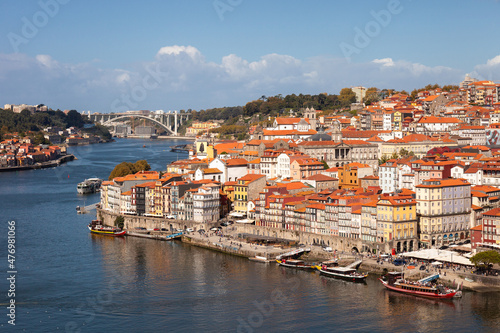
x,y
169,121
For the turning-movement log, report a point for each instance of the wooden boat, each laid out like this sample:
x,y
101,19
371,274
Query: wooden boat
x,y
295,263
394,281
344,273
96,228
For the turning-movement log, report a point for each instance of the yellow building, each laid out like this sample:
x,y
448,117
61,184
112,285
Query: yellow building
x,y
397,121
247,188
397,222
198,128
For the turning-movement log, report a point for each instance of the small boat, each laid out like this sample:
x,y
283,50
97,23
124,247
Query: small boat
x,y
344,273
329,263
394,281
97,228
259,259
295,263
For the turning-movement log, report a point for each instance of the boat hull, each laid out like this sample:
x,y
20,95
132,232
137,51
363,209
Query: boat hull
x,y
108,232
335,275
304,268
419,293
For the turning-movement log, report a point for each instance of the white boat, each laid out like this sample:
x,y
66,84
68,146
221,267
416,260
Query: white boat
x,y
90,185
259,259
345,273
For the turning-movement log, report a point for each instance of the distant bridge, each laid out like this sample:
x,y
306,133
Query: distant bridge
x,y
169,121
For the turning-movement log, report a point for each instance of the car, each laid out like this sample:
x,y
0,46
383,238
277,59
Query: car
x,y
444,247
140,228
399,262
170,217
467,241
179,230
164,229
327,249
156,229
201,231
422,268
189,230
224,224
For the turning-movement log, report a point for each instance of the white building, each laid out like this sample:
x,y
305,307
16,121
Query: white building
x,y
232,169
206,203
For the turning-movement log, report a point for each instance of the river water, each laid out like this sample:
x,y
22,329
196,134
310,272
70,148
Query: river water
x,y
71,281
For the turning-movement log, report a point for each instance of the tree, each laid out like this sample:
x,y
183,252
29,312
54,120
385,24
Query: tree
x,y
371,96
325,164
119,222
347,96
127,168
486,258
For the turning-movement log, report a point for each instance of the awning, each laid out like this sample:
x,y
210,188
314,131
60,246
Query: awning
x,y
236,214
245,221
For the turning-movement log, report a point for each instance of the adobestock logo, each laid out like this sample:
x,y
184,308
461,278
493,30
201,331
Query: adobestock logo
x,y
222,6
30,28
372,29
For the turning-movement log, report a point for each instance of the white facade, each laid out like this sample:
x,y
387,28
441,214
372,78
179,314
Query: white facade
x,y
387,121
388,178
229,172
283,165
206,204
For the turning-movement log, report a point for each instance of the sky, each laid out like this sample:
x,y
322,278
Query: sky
x,y
113,56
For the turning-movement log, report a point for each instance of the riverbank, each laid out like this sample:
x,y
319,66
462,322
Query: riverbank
x,y
44,165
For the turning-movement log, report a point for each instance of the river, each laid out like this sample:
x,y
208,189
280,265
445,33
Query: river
x,y
71,281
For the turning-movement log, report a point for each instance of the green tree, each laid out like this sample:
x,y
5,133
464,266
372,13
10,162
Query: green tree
x,y
325,164
486,258
119,222
127,168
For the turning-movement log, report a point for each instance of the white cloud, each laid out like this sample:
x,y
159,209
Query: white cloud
x,y
386,62
180,77
488,71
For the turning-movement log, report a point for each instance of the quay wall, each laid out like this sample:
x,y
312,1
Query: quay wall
x,y
230,249
336,243
44,165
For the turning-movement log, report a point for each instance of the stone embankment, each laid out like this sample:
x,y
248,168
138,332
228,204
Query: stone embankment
x,y
44,165
230,243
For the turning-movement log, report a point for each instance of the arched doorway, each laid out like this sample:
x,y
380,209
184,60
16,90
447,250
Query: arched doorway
x,y
405,246
411,246
398,247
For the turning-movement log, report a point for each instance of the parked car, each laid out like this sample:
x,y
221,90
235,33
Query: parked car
x,y
140,228
189,230
422,268
399,262
164,229
156,229
327,249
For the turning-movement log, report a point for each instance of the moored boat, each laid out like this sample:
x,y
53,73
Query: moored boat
x,y
259,259
295,263
394,281
97,228
344,273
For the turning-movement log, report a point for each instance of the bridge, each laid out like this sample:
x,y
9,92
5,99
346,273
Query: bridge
x,y
170,121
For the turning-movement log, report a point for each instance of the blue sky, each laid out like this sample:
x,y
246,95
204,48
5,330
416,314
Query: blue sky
x,y
116,55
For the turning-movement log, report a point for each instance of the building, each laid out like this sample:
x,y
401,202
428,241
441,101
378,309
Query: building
x,y
444,208
397,218
246,189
